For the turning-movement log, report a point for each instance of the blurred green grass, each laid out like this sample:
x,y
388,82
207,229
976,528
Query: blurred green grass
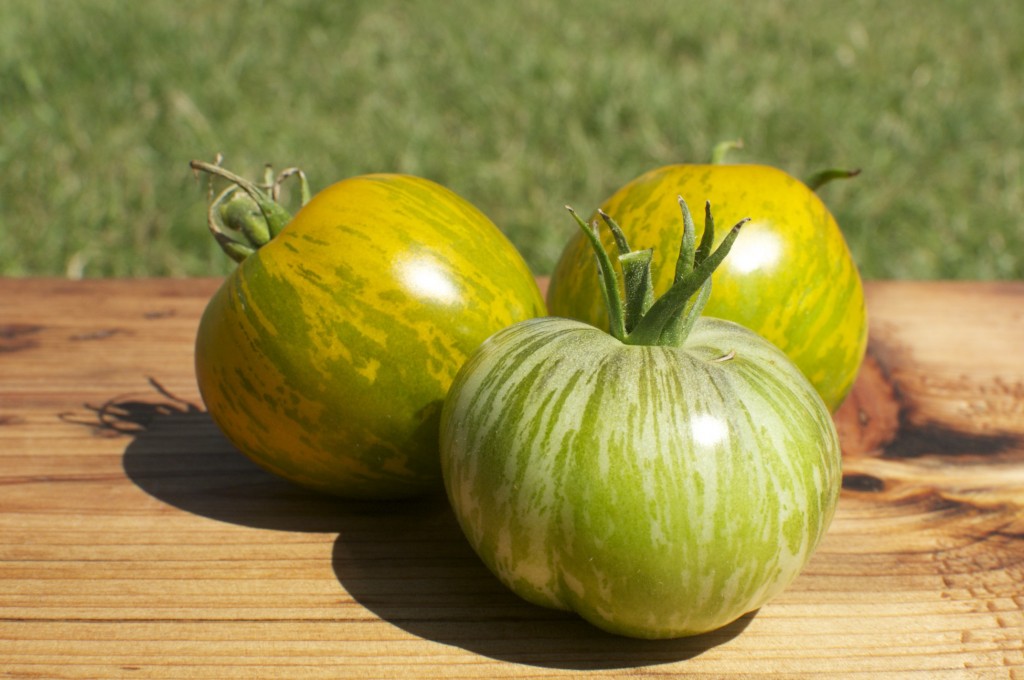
x,y
520,107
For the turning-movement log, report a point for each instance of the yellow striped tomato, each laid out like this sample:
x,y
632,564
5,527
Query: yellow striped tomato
x,y
326,355
791,278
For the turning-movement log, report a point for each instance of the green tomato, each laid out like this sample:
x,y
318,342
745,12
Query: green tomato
x,y
791,278
326,355
659,490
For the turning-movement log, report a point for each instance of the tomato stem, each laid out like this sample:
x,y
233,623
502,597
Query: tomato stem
x,y
636,272
823,177
814,182
239,212
691,256
247,208
640,319
215,220
669,321
609,281
304,192
722,150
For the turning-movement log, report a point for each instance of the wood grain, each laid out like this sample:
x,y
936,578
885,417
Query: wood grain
x,y
136,543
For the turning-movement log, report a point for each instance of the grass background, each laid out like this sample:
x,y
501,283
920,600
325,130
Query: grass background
x,y
521,107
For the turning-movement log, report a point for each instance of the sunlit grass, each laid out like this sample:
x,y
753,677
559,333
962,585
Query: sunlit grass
x,y
520,107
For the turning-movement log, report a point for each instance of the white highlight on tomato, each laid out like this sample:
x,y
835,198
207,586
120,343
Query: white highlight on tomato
x,y
756,249
707,429
426,279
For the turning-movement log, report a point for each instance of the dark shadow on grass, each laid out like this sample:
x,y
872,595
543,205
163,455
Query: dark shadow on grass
x,y
175,453
415,570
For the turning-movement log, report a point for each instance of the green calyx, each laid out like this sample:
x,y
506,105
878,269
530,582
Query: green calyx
x,y
253,212
637,318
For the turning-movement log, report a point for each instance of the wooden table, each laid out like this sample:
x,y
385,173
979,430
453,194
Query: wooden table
x,y
135,542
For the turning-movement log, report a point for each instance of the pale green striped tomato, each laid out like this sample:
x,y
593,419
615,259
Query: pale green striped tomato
x,y
659,491
325,357
791,278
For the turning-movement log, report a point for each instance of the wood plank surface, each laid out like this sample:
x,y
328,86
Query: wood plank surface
x,y
135,542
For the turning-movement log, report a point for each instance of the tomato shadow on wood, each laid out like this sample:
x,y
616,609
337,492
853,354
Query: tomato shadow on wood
x,y
415,570
407,562
176,454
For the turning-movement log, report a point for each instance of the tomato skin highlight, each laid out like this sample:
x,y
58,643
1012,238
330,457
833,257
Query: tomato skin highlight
x,y
658,492
791,278
325,357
